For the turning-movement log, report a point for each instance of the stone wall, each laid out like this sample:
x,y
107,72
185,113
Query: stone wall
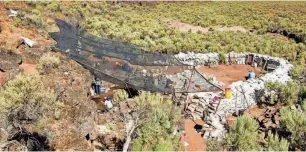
x,y
243,92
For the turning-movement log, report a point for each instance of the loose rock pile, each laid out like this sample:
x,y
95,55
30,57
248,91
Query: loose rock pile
x,y
204,108
214,128
269,119
198,58
9,60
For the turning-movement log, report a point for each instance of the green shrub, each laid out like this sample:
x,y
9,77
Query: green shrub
x,y
36,12
296,71
149,32
38,7
16,21
120,95
294,122
285,93
273,143
26,93
48,61
161,116
54,6
163,145
35,19
137,144
213,145
243,135
222,58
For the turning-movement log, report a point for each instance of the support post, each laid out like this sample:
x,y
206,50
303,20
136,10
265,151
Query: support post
x,y
246,101
185,102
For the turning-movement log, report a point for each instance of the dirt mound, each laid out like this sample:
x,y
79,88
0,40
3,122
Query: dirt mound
x,y
186,27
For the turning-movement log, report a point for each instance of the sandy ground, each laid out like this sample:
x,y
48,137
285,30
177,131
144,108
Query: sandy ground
x,y
229,73
195,141
186,27
29,68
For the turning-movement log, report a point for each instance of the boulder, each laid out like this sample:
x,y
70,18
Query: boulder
x,y
32,55
9,60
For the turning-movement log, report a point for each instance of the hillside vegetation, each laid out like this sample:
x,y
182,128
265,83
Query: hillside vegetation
x,y
147,26
55,102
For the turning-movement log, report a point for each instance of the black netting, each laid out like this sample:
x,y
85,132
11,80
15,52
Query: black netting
x,y
77,40
89,51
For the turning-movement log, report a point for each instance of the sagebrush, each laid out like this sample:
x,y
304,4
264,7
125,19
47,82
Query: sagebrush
x,y
48,61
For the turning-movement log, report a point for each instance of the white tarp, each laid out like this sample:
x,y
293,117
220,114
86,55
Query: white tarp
x,y
13,13
29,42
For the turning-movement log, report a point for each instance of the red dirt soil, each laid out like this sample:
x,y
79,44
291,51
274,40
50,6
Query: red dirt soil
x,y
229,73
195,141
29,68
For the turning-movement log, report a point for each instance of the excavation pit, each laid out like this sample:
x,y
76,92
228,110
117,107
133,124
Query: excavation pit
x,y
228,74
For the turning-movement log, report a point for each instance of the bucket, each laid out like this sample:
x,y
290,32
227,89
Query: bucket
x,y
228,93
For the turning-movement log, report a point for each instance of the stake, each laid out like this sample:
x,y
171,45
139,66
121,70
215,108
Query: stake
x,y
236,104
218,106
246,101
192,72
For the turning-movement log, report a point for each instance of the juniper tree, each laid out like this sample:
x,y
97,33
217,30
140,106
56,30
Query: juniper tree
x,y
243,135
295,123
156,122
274,143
